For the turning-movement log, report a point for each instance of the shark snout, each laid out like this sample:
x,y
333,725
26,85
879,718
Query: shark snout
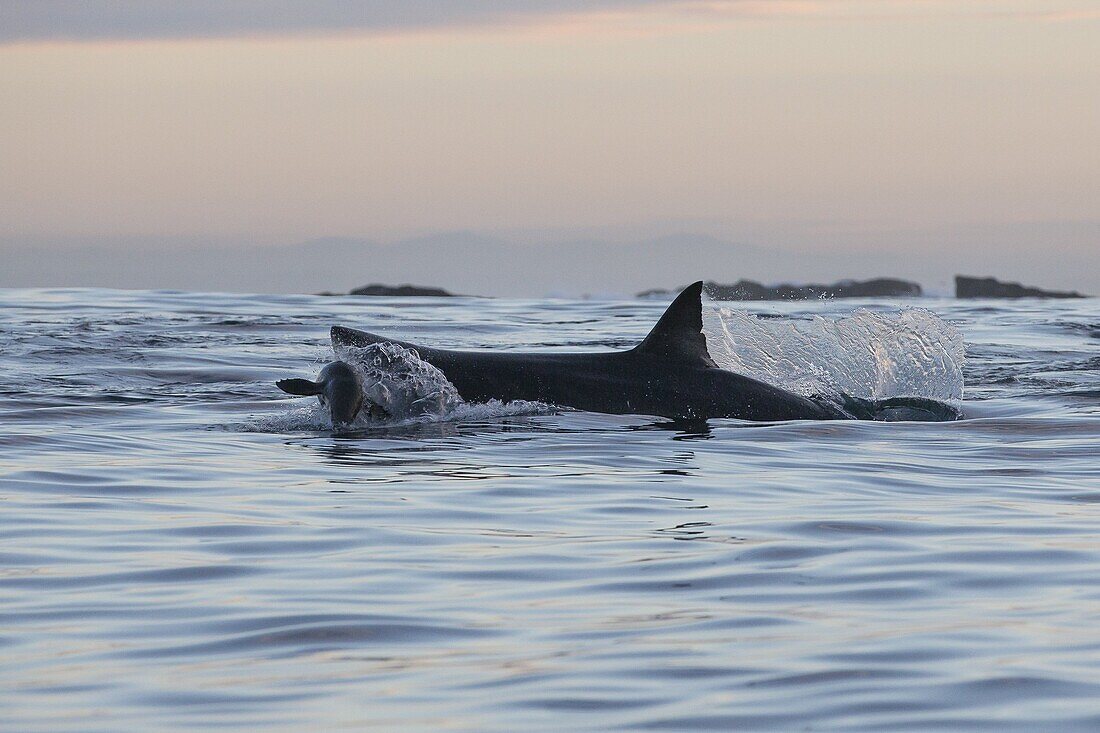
x,y
344,336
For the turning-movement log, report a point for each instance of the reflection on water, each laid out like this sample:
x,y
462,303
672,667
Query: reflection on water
x,y
184,548
687,429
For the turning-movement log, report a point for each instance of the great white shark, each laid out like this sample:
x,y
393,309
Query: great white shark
x,y
669,374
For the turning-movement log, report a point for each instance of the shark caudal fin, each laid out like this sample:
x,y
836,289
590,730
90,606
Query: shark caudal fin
x,y
679,333
300,387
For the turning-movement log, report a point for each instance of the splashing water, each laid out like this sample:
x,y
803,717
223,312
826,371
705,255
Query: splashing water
x,y
868,354
402,388
400,382
410,389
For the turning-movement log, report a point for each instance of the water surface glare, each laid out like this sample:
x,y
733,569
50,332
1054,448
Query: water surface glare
x,y
185,547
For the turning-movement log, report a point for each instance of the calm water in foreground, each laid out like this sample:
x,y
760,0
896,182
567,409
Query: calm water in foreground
x,y
184,547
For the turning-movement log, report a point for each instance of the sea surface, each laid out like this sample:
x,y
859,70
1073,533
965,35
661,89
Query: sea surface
x,y
185,547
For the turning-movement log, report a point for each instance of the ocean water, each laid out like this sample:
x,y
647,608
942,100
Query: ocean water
x,y
184,547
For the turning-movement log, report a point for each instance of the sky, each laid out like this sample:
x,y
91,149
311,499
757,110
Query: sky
x,y
899,132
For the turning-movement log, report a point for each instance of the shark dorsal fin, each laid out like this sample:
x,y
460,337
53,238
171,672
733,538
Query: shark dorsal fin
x,y
679,333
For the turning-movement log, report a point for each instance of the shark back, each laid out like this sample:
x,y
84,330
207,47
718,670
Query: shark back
x,y
677,336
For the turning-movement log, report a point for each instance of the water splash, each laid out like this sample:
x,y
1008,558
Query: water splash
x,y
397,380
913,353
403,388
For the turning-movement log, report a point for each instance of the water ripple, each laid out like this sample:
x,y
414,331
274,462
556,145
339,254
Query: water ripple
x,y
183,549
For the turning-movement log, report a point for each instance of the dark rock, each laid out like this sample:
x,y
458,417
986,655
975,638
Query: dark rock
x,y
654,292
752,290
988,287
402,290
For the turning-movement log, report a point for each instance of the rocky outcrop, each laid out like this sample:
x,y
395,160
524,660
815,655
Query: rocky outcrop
x,y
402,290
751,290
988,287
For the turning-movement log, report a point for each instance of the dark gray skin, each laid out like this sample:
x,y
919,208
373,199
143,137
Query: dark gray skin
x,y
338,387
669,374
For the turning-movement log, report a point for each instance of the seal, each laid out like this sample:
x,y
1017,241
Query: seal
x,y
338,387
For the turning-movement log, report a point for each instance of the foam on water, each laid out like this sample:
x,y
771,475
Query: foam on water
x,y
872,355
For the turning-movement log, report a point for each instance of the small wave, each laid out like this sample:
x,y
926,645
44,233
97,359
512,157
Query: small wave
x,y
869,355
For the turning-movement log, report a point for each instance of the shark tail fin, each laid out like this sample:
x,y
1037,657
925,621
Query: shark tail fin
x,y
679,333
900,409
300,387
